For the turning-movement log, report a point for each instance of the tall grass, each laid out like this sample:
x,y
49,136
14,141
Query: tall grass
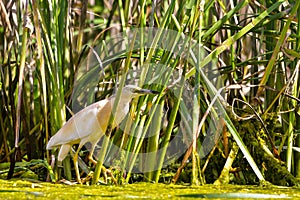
x,y
227,73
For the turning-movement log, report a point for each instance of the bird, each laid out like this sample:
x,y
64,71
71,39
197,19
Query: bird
x,y
90,124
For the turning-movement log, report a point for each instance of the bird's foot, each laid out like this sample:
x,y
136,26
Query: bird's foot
x,y
106,172
87,178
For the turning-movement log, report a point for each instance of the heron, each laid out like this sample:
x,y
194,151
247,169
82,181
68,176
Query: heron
x,y
90,124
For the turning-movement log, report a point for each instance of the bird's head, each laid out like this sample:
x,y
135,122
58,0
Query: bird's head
x,y
133,91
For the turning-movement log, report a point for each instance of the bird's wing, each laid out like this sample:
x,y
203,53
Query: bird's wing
x,y
81,125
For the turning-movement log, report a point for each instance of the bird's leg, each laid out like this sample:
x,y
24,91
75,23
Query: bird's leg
x,y
103,169
90,157
76,163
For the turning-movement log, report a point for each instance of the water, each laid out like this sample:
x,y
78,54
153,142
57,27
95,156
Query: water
x,y
20,189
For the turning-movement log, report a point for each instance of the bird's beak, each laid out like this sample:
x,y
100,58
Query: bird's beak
x,y
145,91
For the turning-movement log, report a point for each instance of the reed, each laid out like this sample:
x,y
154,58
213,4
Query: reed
x,y
220,67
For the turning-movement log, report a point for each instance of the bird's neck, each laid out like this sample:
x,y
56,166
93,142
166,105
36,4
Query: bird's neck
x,y
123,99
122,109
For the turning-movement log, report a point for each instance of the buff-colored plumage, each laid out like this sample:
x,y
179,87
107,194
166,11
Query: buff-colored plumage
x,y
90,124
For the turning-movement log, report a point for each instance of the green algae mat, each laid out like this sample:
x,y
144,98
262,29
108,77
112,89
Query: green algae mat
x,y
21,189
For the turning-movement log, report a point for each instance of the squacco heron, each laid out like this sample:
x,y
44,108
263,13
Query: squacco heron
x,y
89,124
